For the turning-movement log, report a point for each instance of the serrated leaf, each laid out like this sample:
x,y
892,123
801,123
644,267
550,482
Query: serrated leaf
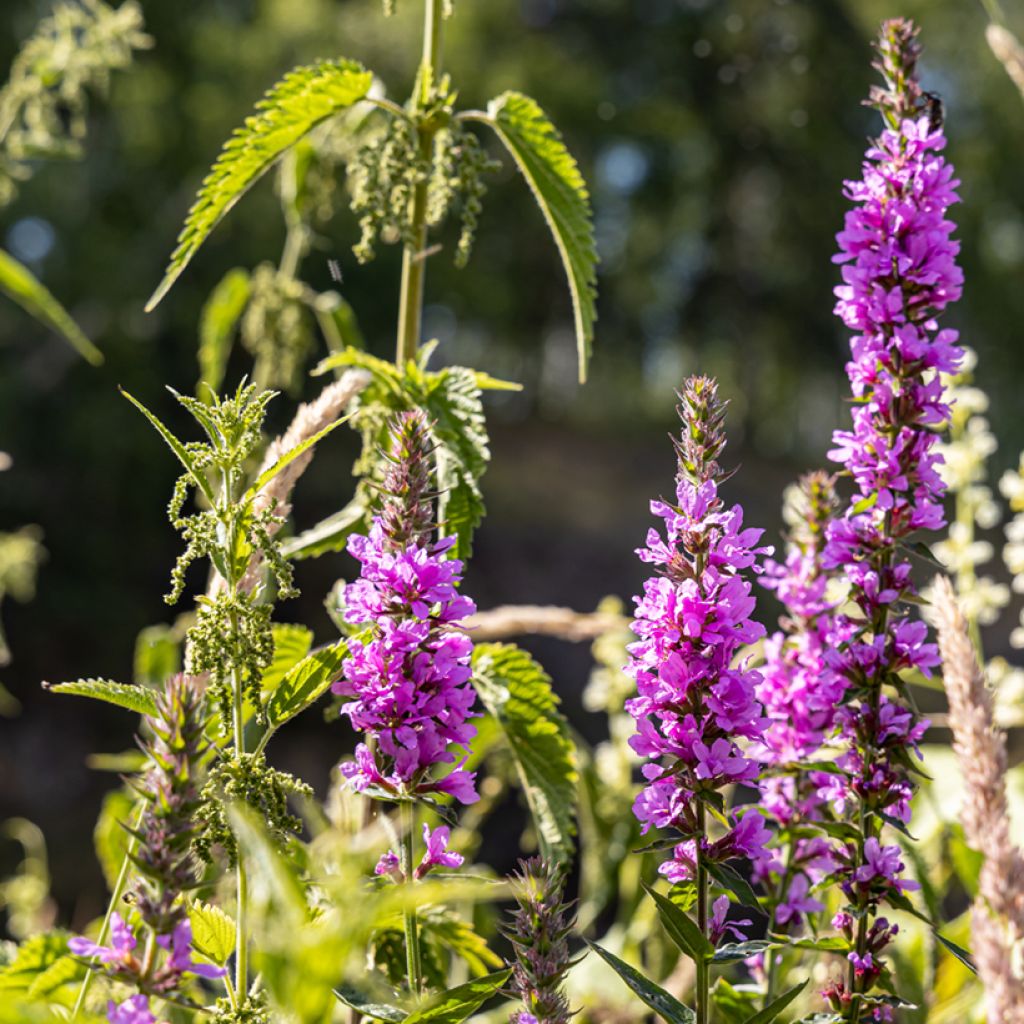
x,y
455,1005
458,936
110,838
517,692
213,932
776,1006
367,1007
663,1003
304,98
197,475
291,645
19,284
305,683
293,453
561,193
730,952
683,931
34,956
134,698
217,321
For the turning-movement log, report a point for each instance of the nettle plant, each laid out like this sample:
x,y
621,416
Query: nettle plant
x,y
770,832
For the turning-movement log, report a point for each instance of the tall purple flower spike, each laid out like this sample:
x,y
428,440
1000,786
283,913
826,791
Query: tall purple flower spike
x,y
695,707
899,273
409,680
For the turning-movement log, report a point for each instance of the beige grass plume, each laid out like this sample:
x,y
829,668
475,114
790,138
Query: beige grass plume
x,y
1008,51
997,918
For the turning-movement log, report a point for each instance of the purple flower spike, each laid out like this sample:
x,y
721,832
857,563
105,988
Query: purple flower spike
x,y
409,681
696,710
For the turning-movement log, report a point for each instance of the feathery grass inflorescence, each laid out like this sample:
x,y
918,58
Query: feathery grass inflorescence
x,y
539,932
998,913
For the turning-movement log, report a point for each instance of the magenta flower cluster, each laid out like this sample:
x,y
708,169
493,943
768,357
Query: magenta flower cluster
x,y
408,680
695,707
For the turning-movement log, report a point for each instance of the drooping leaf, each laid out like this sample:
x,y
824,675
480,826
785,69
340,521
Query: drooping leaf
x,y
220,314
18,283
560,191
213,931
291,645
305,683
730,952
134,698
683,931
303,99
654,996
776,1006
369,1007
518,693
959,952
455,1005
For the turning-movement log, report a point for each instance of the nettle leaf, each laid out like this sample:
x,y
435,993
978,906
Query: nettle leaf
x,y
457,935
455,1005
217,321
109,835
560,191
293,107
33,958
776,1006
124,695
517,692
292,454
213,931
305,683
291,645
663,1003
19,284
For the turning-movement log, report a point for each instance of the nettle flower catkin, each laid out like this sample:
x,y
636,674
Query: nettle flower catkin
x,y
800,697
899,273
407,681
539,932
696,705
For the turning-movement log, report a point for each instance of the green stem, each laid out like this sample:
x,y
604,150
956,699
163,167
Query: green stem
x,y
702,920
413,961
773,956
414,268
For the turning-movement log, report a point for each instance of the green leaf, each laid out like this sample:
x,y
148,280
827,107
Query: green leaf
x,y
329,534
776,1006
157,655
683,932
734,1004
517,692
134,698
303,99
730,952
291,645
365,1005
959,952
109,836
198,477
683,894
455,1005
457,935
729,878
305,683
292,454
663,1003
560,191
865,504
453,404
19,284
33,957
824,944
221,313
213,932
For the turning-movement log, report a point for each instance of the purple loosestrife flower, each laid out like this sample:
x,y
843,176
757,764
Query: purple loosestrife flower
x,y
134,1010
437,855
408,680
696,707
539,932
899,273
120,952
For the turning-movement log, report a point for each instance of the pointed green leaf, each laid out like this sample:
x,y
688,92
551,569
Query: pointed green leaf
x,y
959,952
367,1007
729,878
198,477
517,692
776,1006
663,1003
681,929
730,952
33,957
291,645
455,1005
292,454
213,931
298,103
560,191
221,312
329,534
19,284
305,683
134,698
733,1004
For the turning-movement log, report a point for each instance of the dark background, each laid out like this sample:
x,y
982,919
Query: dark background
x,y
715,137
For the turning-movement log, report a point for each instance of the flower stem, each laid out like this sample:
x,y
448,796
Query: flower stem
x,y
412,939
702,918
414,267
